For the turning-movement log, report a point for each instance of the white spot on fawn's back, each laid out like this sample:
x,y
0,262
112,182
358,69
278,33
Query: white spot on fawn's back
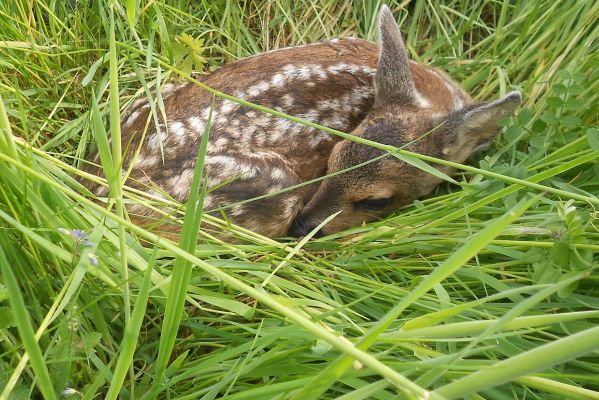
x,y
132,118
337,68
145,162
283,125
227,107
277,174
197,124
206,113
180,184
319,72
287,100
304,72
218,145
310,115
258,89
334,121
289,71
277,80
223,167
101,190
178,129
154,141
237,210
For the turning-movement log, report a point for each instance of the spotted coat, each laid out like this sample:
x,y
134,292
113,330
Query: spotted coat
x,y
251,153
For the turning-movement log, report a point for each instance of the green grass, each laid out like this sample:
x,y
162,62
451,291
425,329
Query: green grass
x,y
484,290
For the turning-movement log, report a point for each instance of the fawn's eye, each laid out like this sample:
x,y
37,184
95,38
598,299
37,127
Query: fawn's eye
x,y
372,204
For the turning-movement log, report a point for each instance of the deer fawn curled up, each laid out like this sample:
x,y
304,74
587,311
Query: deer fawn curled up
x,y
352,85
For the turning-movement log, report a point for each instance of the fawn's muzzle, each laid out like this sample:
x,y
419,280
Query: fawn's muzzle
x,y
300,228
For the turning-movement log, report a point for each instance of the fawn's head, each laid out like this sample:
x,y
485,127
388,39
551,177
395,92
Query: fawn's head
x,y
401,115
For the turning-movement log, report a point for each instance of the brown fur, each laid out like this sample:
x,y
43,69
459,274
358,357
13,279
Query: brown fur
x,y
332,83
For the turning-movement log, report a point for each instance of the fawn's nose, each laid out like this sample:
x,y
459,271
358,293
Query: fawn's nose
x,y
300,228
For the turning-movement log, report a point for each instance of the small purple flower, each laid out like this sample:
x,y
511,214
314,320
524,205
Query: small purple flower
x,y
82,237
93,260
78,233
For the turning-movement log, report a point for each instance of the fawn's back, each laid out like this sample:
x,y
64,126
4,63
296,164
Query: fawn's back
x,y
251,153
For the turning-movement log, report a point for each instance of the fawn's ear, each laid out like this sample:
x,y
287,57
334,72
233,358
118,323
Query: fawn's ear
x,y
393,80
486,116
480,124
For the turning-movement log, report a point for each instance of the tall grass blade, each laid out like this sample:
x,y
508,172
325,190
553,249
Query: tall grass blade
x,y
24,326
538,359
132,332
182,268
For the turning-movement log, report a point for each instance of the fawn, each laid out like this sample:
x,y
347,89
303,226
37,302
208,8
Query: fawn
x,y
351,85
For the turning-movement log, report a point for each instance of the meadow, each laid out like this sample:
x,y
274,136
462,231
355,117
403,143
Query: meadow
x,y
486,289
